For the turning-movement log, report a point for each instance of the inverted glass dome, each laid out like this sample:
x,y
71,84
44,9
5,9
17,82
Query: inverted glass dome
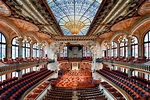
x,y
74,16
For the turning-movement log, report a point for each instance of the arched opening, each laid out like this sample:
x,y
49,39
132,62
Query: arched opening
x,y
134,46
147,45
2,46
15,48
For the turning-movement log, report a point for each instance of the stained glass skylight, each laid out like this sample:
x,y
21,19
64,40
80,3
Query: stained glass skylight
x,y
74,16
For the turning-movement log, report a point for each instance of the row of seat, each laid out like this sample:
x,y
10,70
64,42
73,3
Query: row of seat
x,y
58,94
127,59
14,90
68,94
113,91
11,82
90,93
141,80
143,84
37,91
21,60
129,85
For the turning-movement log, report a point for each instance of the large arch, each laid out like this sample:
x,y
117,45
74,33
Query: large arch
x,y
33,35
116,34
11,25
144,20
5,32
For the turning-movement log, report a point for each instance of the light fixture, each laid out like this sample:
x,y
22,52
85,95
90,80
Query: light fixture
x,y
41,45
24,39
74,27
123,39
27,40
107,45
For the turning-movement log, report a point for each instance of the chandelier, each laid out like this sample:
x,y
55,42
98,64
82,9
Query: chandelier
x,y
74,27
107,45
27,40
24,40
123,39
41,45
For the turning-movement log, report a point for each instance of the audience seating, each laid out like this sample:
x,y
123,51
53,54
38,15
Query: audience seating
x,y
14,89
37,91
113,91
136,89
67,94
21,60
126,59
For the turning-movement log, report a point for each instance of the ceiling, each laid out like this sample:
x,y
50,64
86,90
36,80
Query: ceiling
x,y
74,16
83,19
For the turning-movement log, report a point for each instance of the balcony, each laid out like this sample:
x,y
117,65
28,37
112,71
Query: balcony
x,y
130,65
4,68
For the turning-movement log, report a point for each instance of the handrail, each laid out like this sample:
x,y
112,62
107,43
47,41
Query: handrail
x,y
12,67
136,66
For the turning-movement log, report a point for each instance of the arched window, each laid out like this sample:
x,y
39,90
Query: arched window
x,y
15,48
109,52
134,46
86,52
114,49
26,50
147,45
65,52
2,46
35,50
41,52
124,48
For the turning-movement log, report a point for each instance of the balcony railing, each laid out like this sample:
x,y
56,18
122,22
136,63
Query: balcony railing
x,y
139,66
12,67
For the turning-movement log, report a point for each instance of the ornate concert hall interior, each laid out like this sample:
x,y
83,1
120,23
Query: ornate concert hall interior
x,y
74,50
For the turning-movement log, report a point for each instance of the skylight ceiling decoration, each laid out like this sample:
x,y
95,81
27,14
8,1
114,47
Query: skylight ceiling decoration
x,y
74,16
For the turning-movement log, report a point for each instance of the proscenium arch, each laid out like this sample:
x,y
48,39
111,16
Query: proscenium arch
x,y
30,33
11,25
144,20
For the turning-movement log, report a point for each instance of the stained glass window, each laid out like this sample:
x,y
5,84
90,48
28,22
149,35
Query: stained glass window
x,y
124,49
147,45
74,16
35,50
63,52
134,46
2,46
114,49
109,52
15,48
26,50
